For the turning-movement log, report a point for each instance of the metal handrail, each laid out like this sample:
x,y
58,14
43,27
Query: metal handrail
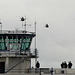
x,y
15,52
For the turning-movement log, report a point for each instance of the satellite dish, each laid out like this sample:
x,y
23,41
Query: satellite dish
x,y
46,25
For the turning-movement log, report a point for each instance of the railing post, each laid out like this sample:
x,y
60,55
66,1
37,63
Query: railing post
x,y
40,71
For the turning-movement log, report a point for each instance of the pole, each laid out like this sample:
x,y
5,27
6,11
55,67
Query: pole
x,y
25,24
35,47
1,27
40,71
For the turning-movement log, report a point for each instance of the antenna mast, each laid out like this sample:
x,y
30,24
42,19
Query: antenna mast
x,y
1,26
24,19
25,23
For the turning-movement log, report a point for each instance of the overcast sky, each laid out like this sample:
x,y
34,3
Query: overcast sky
x,y
55,44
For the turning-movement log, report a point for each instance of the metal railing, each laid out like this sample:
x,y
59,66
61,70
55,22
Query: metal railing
x,y
16,53
39,71
24,71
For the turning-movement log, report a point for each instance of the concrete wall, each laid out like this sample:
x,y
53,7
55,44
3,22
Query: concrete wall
x,y
12,61
66,71
23,65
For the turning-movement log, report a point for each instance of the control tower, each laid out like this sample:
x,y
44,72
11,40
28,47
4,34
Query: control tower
x,y
15,52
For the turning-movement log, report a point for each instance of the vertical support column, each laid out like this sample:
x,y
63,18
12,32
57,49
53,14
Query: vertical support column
x,y
2,43
7,43
7,63
25,43
22,65
30,65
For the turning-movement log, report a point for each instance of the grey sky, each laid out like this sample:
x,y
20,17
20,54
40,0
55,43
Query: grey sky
x,y
55,44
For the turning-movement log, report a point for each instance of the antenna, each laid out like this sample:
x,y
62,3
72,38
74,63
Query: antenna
x,y
25,24
1,26
24,19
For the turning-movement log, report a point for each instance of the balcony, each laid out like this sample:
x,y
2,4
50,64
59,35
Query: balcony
x,y
17,53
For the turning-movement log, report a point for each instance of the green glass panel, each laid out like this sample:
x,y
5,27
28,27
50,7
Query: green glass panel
x,y
16,47
20,46
2,43
23,46
14,40
20,40
28,39
11,41
27,45
23,40
6,40
3,46
2,40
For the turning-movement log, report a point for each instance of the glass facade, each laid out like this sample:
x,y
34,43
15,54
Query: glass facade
x,y
17,43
